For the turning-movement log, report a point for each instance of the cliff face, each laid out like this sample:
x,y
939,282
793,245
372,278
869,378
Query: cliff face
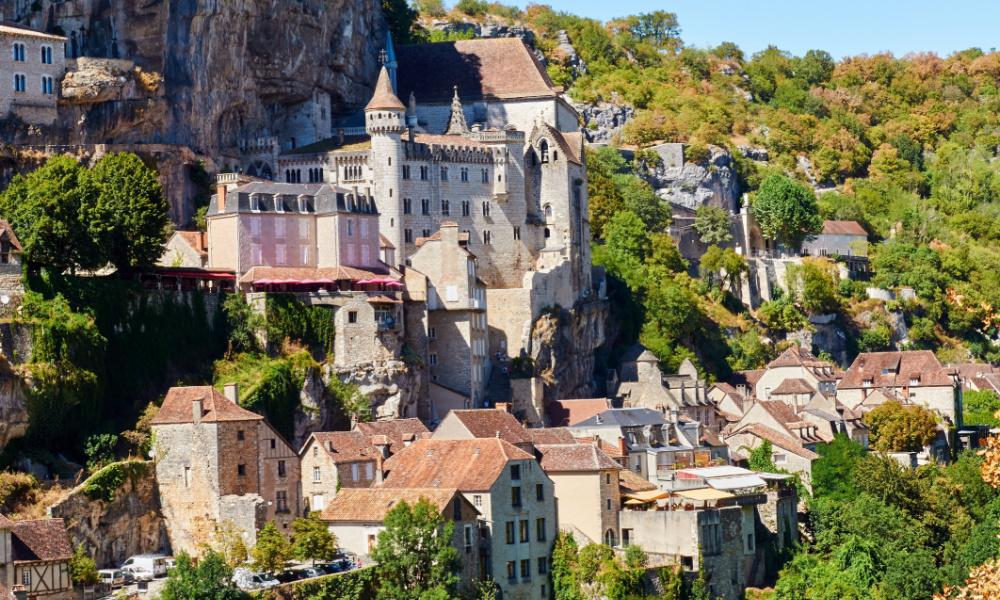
x,y
563,346
231,71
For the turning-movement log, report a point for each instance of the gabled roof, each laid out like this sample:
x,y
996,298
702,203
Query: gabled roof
x,y
638,353
777,438
551,435
372,504
40,539
491,423
843,228
345,446
384,243
563,458
912,368
624,417
793,385
571,412
7,230
467,465
21,31
383,98
633,482
793,356
501,68
178,407
399,432
195,239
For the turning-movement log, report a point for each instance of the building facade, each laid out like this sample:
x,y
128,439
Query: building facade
x,y
32,64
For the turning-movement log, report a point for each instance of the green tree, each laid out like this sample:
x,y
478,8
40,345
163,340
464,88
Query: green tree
x,y
415,557
712,224
100,450
312,539
761,457
46,210
723,266
128,216
430,8
244,323
640,198
82,568
786,211
229,544
897,428
815,284
401,19
832,474
815,67
564,564
748,351
272,550
782,315
980,407
209,579
658,27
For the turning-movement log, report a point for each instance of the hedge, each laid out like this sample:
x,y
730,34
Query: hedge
x,y
352,585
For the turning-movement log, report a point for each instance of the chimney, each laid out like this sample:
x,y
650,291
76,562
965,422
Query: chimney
x,y
231,392
503,406
621,446
196,411
220,193
449,233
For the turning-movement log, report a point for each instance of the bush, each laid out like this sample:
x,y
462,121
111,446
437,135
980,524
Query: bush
x,y
100,450
17,489
360,583
82,568
473,8
289,319
104,484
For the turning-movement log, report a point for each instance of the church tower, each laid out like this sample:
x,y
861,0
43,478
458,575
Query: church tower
x,y
385,123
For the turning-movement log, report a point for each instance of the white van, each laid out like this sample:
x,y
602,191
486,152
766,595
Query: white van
x,y
113,578
146,566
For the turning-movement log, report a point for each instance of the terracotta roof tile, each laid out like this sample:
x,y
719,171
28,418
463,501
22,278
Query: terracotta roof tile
x,y
497,68
41,539
346,446
340,273
5,228
467,465
612,450
178,407
843,228
896,369
398,431
551,435
195,239
793,386
557,458
633,482
778,439
491,423
384,243
571,412
372,504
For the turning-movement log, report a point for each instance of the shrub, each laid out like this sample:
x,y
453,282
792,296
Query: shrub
x,y
103,484
100,450
360,583
17,489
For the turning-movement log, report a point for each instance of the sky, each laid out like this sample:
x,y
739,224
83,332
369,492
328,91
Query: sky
x,y
841,27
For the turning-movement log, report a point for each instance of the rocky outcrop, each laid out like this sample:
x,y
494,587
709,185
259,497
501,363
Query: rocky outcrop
x,y
112,531
391,388
13,405
693,184
563,345
603,122
488,29
101,80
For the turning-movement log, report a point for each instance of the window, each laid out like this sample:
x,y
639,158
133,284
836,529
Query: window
x,y
317,475
607,504
281,468
509,530
543,565
486,208
515,472
240,435
540,529
465,174
525,568
523,529
281,501
539,492
187,477
355,472
352,316
511,570
456,509
47,85
432,334
467,537
477,500
517,232
486,176
350,228
407,206
20,83
26,578
18,52
315,451
487,237
465,208
543,149
425,233
406,171
444,173
607,478
241,470
46,55
515,497
408,236
369,471
433,358
445,208
425,207
424,173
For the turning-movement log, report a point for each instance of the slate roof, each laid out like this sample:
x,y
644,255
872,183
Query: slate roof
x,y
638,353
177,407
625,417
501,68
346,446
278,197
571,412
467,465
40,539
562,458
372,504
492,423
901,369
843,228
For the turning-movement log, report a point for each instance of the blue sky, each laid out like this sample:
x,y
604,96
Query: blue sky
x,y
843,27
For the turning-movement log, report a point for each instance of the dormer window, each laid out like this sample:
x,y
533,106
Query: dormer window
x,y
868,382
255,202
303,205
915,380
279,204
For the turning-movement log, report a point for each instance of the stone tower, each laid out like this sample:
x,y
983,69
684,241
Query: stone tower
x,y
385,123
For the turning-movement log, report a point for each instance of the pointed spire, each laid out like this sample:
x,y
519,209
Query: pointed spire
x,y
384,98
457,124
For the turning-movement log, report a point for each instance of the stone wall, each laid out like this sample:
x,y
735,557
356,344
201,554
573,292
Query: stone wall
x,y
130,524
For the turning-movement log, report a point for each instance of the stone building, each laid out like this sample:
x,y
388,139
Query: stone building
x,y
643,385
512,493
456,317
216,463
586,488
793,437
484,423
32,64
187,249
11,284
34,556
357,515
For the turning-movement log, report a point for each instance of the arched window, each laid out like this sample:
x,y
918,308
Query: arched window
x,y
609,538
548,211
543,149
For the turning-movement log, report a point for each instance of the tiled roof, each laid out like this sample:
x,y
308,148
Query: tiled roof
x,y
843,228
383,98
793,356
372,504
497,67
570,148
468,465
633,482
782,412
40,539
398,431
709,438
551,435
793,386
292,274
571,412
346,446
19,31
5,228
779,439
912,368
178,406
490,422
195,239
558,458
612,450
384,243
625,417
638,353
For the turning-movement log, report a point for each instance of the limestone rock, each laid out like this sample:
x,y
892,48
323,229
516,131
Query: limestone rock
x,y
563,345
691,185
13,405
101,80
755,153
603,121
392,388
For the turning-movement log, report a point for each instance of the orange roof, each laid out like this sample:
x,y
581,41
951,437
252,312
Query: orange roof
x,y
40,539
492,423
384,243
195,239
372,504
346,446
793,386
571,412
561,458
467,465
341,273
778,439
551,435
911,368
384,98
399,431
177,407
843,228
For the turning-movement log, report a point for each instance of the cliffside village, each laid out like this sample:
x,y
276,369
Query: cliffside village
x,y
448,224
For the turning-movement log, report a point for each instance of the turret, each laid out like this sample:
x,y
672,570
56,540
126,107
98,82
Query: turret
x,y
385,122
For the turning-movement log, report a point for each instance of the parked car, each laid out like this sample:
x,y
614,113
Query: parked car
x,y
249,581
146,566
337,566
310,572
113,578
288,576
